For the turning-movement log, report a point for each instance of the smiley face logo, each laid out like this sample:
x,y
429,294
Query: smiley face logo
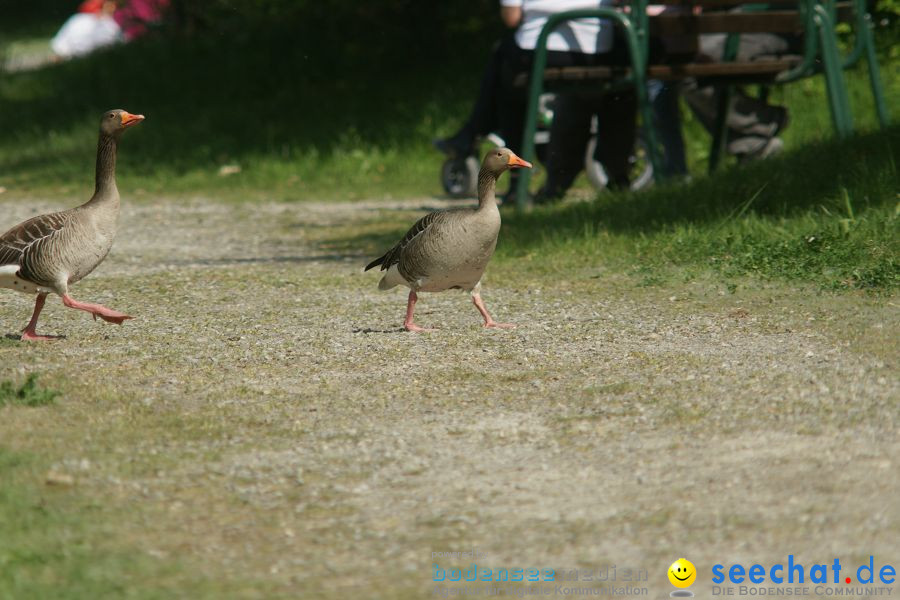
x,y
682,573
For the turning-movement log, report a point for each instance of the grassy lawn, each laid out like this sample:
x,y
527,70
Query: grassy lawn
x,y
706,369
297,122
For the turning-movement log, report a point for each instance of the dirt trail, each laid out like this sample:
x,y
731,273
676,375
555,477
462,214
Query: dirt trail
x,y
267,415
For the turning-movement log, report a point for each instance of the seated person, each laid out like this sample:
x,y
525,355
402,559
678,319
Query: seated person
x,y
92,27
753,125
501,105
101,23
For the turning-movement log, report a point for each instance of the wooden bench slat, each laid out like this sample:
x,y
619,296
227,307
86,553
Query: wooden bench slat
x,y
755,68
758,68
702,3
773,21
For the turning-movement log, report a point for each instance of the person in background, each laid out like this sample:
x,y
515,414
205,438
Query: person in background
x,y
501,105
101,23
663,96
136,17
752,123
92,27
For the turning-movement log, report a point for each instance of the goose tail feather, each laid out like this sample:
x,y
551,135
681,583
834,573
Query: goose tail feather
x,y
375,263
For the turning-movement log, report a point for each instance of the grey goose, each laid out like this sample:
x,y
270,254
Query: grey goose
x,y
48,253
450,249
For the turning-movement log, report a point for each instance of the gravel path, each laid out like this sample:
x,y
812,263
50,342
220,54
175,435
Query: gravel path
x,y
266,414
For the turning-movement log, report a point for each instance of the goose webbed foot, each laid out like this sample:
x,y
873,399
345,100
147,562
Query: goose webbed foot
x,y
488,320
29,334
97,310
410,309
499,325
32,336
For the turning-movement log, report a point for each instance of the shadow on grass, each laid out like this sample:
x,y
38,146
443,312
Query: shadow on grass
x,y
863,168
824,214
280,92
267,260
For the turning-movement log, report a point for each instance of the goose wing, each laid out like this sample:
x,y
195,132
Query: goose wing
x,y
19,243
392,256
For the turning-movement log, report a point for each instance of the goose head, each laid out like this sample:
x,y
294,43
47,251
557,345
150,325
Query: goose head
x,y
499,160
116,121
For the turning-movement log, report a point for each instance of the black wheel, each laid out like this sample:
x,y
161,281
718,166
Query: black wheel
x,y
459,176
641,169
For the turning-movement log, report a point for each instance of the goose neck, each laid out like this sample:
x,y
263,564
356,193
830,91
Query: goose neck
x,y
487,187
105,178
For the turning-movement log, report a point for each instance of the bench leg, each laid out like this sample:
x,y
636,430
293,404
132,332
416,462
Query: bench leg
x,y
874,73
834,75
535,89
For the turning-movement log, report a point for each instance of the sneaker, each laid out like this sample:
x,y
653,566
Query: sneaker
x,y
772,147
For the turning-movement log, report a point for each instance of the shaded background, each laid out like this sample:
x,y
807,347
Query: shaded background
x,y
308,98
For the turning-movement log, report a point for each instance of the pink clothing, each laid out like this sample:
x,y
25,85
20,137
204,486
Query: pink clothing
x,y
136,15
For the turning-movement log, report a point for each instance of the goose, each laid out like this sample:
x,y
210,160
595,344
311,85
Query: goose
x,y
48,253
450,249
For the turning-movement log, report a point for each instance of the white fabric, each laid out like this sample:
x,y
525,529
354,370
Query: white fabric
x,y
588,36
83,33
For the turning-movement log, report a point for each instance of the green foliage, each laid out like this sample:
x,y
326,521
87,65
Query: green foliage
x,y
27,394
888,9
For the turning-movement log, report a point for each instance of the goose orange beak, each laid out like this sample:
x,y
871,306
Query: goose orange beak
x,y
516,162
129,119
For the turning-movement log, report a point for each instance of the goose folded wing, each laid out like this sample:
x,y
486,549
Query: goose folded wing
x,y
392,256
16,243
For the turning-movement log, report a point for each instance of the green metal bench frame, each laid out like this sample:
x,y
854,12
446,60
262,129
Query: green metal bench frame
x,y
820,41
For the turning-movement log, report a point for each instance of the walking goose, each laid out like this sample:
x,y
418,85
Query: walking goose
x,y
50,252
450,249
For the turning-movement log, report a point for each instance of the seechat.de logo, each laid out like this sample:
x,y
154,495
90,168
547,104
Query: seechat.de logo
x,y
794,572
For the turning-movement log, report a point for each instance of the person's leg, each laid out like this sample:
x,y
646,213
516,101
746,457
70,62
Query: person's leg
x,y
752,123
513,99
569,135
616,129
484,116
748,117
667,114
570,130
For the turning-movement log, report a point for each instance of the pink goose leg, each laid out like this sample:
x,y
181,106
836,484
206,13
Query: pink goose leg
x,y
488,320
97,310
410,307
29,334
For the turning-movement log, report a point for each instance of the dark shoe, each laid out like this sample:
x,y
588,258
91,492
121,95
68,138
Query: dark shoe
x,y
782,119
547,196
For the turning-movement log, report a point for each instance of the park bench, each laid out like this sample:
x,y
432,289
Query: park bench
x,y
815,20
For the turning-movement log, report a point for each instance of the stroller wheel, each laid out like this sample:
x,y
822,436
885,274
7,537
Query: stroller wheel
x,y
459,176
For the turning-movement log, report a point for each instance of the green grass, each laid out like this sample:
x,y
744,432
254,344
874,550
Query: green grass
x,y
825,214
58,543
301,122
27,394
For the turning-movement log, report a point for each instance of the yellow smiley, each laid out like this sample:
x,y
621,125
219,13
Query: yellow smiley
x,y
682,573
